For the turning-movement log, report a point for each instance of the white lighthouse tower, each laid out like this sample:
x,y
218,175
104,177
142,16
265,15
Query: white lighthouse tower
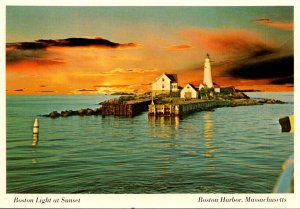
x,y
207,73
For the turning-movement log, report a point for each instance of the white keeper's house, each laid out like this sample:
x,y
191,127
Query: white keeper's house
x,y
165,84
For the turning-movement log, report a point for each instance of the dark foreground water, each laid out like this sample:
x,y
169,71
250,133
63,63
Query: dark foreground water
x,y
230,150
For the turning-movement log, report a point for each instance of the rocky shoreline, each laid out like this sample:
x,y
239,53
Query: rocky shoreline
x,y
81,112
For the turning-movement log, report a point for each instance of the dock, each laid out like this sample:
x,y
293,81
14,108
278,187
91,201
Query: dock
x,y
123,106
129,108
183,107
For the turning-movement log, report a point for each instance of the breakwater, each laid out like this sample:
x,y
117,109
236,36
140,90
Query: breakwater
x,y
182,107
131,106
123,106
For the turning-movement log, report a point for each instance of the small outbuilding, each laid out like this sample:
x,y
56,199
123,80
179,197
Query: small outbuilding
x,y
189,92
217,88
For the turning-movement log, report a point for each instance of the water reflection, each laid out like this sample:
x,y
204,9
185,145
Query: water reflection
x,y
164,127
35,139
164,162
208,134
34,160
164,120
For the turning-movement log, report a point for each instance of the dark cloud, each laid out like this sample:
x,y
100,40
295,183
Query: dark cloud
x,y
43,44
42,86
86,90
261,19
27,45
273,68
13,56
33,51
261,50
40,57
19,90
286,80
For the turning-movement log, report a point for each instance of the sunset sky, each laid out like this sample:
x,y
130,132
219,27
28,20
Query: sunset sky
x,y
58,50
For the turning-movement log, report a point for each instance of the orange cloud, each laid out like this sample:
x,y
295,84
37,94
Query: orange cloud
x,y
180,47
35,63
276,24
230,41
39,65
107,88
118,71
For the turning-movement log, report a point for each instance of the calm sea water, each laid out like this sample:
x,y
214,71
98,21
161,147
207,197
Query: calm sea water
x,y
230,150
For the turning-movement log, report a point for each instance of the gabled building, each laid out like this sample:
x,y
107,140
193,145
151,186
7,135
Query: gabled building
x,y
165,84
189,92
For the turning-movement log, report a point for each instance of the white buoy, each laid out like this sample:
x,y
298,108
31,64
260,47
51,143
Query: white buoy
x,y
35,139
36,126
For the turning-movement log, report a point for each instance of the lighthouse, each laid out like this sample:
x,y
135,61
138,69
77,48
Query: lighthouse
x,y
207,73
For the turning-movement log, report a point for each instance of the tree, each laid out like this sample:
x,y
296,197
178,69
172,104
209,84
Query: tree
x,y
209,93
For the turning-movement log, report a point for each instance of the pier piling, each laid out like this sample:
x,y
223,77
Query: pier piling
x,y
128,108
184,107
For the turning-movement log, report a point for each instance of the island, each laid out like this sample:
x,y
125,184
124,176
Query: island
x,y
167,98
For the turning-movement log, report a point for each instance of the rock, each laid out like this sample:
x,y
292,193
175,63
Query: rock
x,y
121,93
89,111
54,114
74,112
66,113
239,95
97,111
270,101
81,111
285,124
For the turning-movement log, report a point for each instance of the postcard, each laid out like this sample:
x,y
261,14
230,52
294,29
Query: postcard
x,y
135,104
